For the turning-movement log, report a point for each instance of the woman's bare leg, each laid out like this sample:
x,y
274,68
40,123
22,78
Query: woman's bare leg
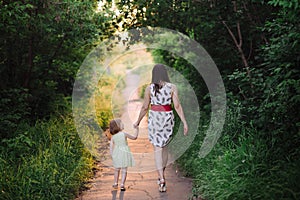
x,y
164,157
159,161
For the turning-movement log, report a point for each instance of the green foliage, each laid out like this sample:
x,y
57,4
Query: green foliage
x,y
205,22
47,161
294,4
42,46
14,108
106,100
271,95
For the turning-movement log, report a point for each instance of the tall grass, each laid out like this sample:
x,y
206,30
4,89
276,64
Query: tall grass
x,y
45,161
241,166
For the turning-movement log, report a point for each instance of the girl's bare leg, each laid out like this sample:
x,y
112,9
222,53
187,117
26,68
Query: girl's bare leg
x,y
116,175
124,175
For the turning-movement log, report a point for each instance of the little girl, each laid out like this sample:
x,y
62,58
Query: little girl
x,y
119,151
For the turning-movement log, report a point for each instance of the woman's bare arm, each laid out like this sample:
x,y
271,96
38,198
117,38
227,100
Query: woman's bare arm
x,y
145,106
179,109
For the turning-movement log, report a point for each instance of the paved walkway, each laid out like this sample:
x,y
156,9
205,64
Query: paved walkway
x,y
141,183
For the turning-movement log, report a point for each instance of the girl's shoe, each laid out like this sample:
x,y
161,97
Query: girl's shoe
x,y
115,185
162,185
122,187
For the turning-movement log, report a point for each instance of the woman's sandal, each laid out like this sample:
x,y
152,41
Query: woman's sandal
x,y
115,185
162,185
122,187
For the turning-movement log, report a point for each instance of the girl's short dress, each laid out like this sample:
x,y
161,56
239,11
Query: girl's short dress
x,y
121,156
160,123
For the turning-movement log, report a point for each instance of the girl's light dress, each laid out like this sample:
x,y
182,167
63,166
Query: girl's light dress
x,y
121,155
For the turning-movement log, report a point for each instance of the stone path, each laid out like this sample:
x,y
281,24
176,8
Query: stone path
x,y
141,183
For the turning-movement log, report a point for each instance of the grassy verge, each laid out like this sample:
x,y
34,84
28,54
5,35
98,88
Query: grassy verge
x,y
241,166
45,161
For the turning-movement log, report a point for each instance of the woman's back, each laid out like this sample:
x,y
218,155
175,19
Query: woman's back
x,y
163,97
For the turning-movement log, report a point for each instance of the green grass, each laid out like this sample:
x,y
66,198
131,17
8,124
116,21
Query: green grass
x,y
45,161
241,166
49,159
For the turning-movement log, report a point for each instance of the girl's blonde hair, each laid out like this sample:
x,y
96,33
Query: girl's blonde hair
x,y
115,126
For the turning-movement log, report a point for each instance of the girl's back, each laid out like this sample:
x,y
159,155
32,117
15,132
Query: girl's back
x,y
121,154
119,139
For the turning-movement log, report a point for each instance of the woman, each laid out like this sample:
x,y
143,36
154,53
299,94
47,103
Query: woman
x,y
160,94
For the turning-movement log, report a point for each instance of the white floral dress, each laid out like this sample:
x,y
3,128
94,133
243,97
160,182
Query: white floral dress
x,y
160,123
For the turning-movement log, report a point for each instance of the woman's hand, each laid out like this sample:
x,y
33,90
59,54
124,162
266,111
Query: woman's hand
x,y
136,125
185,129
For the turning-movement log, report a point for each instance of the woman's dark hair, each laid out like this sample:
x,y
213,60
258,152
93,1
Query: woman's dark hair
x,y
159,73
115,126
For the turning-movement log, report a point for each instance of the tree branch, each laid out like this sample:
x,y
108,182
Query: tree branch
x,y
238,26
237,41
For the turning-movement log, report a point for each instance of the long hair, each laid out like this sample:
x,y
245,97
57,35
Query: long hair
x,y
159,73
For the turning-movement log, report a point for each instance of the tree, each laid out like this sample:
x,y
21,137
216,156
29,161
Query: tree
x,y
42,44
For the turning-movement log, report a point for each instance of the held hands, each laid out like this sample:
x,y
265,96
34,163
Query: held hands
x,y
136,125
136,130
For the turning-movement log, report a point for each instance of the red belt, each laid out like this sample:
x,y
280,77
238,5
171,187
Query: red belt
x,y
162,108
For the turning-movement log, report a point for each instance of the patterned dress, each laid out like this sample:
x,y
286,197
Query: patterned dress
x,y
121,155
160,123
